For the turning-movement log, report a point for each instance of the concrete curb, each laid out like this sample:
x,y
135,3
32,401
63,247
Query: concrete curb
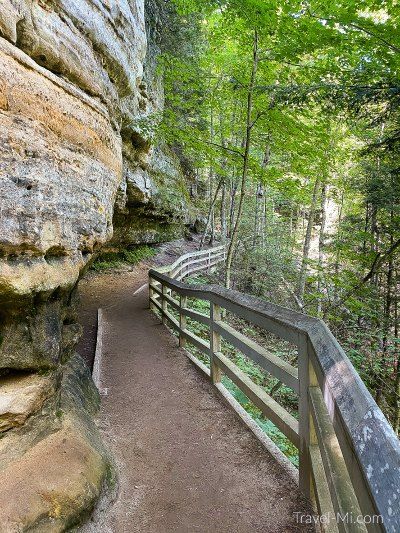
x,y
140,289
99,350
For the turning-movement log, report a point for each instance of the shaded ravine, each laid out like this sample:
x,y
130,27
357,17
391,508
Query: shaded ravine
x,y
186,462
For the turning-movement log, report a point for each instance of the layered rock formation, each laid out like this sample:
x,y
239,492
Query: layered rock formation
x,y
54,468
77,114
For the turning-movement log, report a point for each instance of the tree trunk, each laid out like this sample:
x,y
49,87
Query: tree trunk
x,y
375,241
223,179
223,212
264,221
366,227
210,215
338,231
307,242
321,245
232,208
397,386
386,316
234,180
249,126
212,232
257,226
260,210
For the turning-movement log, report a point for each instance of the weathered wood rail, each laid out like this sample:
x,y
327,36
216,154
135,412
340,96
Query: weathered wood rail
x,y
193,262
349,456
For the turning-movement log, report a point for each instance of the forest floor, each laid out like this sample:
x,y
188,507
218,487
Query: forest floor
x,y
186,462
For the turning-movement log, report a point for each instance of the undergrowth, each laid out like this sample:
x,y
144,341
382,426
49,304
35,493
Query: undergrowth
x,y
282,395
129,256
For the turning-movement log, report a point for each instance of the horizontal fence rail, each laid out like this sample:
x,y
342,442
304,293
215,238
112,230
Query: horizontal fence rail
x,y
193,262
349,456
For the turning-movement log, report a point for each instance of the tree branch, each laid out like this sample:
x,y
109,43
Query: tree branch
x,y
259,115
232,150
372,34
357,27
379,260
299,304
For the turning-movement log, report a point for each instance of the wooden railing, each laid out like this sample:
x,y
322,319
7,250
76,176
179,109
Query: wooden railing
x,y
349,456
193,262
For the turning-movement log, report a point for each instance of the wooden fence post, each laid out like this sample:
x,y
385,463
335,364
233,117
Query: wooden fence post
x,y
182,321
215,343
164,304
151,295
313,439
304,417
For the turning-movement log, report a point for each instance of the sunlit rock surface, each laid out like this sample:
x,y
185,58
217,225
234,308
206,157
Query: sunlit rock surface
x,y
53,469
79,100
21,396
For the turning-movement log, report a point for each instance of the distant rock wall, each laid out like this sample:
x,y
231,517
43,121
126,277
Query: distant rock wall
x,y
80,98
153,203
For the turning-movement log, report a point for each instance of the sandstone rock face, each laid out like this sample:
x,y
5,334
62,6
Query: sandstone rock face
x,y
38,494
22,396
76,120
98,45
79,99
52,482
152,201
61,166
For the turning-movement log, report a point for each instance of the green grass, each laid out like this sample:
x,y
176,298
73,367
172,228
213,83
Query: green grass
x,y
130,256
266,425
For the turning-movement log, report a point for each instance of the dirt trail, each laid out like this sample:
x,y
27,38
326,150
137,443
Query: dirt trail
x,y
186,461
104,289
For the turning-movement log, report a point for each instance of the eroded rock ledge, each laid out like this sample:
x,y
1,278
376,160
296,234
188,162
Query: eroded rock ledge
x,y
78,84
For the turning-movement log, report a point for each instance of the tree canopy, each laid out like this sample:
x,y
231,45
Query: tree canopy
x,y
289,112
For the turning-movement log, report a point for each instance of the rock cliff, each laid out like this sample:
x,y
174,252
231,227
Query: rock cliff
x,y
80,97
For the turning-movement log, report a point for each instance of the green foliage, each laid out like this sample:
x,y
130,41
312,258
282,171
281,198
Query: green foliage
x,y
325,108
266,425
123,258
